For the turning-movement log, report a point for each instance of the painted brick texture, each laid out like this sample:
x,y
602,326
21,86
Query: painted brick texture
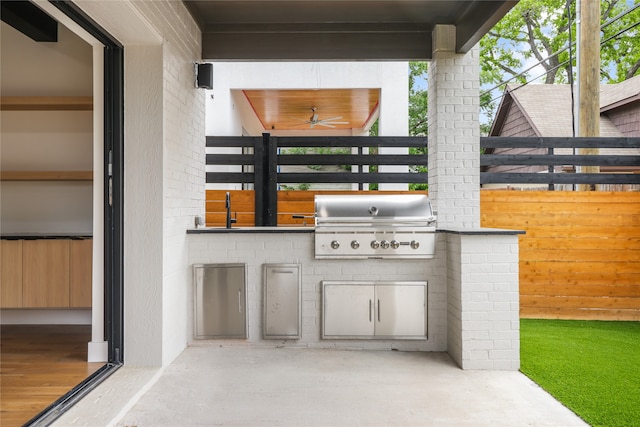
x,y
182,172
483,301
257,249
454,138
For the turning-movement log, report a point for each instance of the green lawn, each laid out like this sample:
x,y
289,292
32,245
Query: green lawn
x,y
592,367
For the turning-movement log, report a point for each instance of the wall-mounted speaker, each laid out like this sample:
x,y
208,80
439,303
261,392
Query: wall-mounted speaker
x,y
204,76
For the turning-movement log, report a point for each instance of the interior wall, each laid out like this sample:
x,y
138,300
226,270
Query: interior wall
x,y
45,140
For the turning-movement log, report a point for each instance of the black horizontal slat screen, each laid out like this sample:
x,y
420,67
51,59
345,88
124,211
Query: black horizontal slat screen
x,y
557,142
559,178
542,166
354,153
287,157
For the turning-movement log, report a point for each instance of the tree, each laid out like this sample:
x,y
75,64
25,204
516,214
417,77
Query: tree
x,y
539,31
417,98
418,112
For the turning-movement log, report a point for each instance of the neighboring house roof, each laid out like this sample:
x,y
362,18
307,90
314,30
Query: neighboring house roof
x,y
616,95
547,109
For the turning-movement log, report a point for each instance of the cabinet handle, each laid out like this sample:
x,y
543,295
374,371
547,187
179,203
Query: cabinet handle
x,y
240,300
378,310
282,271
369,310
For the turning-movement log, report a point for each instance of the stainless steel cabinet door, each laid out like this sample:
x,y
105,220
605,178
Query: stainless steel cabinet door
x,y
400,311
348,310
220,301
281,316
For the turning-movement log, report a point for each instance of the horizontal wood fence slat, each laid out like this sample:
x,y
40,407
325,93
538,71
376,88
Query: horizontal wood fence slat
x,y
558,178
556,142
352,159
557,160
354,178
580,256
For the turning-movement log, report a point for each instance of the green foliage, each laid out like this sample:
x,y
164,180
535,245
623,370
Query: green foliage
x,y
373,130
589,366
418,98
302,187
418,120
620,55
536,30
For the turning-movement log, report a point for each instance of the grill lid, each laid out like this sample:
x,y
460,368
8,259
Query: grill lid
x,y
373,209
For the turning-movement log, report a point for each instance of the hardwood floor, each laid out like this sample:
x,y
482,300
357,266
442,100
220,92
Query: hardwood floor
x,y
38,365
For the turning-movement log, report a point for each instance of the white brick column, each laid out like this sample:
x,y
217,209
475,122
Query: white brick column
x,y
483,324
454,132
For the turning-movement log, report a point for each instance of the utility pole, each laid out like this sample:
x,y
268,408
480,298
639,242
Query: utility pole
x,y
589,79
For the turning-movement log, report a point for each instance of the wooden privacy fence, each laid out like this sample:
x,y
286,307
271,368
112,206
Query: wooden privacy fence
x,y
580,256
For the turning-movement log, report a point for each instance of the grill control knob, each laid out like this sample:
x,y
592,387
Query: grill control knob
x,y
415,244
335,244
385,244
355,244
375,244
395,244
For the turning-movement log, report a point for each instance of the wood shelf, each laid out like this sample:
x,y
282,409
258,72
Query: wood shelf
x,y
46,103
46,176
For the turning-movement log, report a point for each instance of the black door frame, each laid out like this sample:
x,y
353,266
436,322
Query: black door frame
x,y
113,210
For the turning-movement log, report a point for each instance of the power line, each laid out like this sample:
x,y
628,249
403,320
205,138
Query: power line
x,y
604,25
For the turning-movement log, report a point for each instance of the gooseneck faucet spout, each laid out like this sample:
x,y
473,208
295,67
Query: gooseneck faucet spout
x,y
227,205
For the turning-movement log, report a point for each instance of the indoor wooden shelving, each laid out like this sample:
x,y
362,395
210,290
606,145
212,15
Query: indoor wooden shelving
x,y
46,176
46,103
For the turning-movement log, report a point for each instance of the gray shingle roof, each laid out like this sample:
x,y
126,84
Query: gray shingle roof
x,y
620,93
548,109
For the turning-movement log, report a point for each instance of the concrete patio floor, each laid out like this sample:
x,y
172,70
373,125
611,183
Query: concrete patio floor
x,y
211,384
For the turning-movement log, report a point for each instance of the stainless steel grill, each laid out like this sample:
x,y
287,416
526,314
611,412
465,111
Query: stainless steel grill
x,y
397,226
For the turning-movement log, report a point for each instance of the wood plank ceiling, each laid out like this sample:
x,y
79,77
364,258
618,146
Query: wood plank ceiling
x,y
321,109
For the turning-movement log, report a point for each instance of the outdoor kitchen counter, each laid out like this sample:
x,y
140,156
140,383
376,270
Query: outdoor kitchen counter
x,y
481,231
47,236
463,231
208,230
472,302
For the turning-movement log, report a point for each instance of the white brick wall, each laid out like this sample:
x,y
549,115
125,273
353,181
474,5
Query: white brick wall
x,y
256,249
454,136
473,310
483,301
164,169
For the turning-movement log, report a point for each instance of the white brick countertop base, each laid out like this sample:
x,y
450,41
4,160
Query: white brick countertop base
x,y
472,309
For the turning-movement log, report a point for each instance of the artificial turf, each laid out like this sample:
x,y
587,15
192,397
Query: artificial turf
x,y
592,367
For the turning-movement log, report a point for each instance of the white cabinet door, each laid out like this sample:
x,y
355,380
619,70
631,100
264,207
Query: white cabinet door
x,y
400,311
348,310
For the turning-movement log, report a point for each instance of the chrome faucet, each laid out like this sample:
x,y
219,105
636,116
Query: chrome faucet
x,y
227,205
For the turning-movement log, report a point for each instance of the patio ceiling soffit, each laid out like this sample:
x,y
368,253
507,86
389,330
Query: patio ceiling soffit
x,y
330,30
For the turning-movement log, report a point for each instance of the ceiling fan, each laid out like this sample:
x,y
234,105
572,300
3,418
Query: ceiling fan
x,y
315,120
